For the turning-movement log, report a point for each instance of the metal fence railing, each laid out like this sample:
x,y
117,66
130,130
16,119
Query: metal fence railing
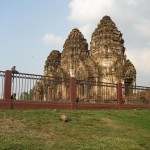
x,y
96,92
38,87
22,85
2,76
136,95
48,88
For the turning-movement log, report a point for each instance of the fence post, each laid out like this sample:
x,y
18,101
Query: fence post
x,y
7,85
119,93
73,96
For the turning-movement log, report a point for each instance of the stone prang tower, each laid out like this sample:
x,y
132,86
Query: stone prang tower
x,y
108,51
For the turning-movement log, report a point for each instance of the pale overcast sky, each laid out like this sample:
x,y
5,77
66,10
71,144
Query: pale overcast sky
x,y
30,29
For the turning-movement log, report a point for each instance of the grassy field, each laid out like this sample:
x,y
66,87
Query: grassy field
x,y
85,130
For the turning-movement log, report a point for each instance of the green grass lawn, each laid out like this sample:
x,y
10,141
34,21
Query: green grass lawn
x,y
86,130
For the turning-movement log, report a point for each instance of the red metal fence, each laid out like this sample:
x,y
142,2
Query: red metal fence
x,y
22,85
96,92
38,87
136,95
66,93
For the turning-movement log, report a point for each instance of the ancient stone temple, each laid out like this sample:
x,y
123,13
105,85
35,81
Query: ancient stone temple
x,y
106,60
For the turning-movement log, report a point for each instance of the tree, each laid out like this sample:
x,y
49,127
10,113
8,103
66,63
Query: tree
x,y
27,95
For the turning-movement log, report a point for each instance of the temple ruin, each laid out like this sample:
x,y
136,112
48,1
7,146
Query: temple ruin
x,y
106,61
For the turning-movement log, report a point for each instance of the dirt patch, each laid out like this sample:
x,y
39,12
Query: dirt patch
x,y
111,123
11,125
